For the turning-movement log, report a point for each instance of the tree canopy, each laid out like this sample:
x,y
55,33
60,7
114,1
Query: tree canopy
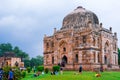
x,y
118,56
7,47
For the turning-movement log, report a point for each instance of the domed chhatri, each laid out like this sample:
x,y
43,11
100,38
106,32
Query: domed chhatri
x,y
81,41
80,17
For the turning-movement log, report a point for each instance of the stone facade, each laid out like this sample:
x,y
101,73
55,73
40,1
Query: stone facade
x,y
81,41
10,60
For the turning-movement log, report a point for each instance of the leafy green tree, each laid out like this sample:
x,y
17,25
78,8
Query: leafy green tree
x,y
40,68
40,59
33,62
5,47
36,61
118,56
27,63
20,53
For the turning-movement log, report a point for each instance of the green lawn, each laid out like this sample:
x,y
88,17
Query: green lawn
x,y
69,75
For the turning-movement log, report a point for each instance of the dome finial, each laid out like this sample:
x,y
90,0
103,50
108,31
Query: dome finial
x,y
79,7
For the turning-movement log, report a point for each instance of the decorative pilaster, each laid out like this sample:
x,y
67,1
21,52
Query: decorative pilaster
x,y
96,57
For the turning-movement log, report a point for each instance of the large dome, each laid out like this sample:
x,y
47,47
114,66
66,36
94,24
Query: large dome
x,y
80,17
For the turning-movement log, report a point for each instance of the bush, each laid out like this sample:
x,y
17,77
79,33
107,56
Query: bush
x,y
6,71
56,68
16,71
17,74
40,68
46,70
23,73
28,69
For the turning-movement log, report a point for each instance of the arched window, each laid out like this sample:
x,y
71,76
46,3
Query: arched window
x,y
106,48
64,49
94,41
94,57
47,56
98,57
98,42
52,44
47,45
84,39
105,59
52,60
115,47
76,58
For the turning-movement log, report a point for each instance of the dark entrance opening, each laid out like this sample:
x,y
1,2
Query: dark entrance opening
x,y
105,59
64,61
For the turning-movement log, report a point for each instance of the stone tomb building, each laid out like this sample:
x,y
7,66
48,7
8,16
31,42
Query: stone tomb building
x,y
9,59
82,40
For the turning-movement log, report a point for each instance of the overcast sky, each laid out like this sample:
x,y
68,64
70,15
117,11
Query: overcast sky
x,y
23,23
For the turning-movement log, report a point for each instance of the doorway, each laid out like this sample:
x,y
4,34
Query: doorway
x,y
64,61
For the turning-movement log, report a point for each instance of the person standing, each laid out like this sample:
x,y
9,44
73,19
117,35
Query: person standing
x,y
61,70
1,73
80,69
11,75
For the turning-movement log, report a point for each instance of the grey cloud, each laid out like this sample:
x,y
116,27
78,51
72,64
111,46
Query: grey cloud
x,y
26,21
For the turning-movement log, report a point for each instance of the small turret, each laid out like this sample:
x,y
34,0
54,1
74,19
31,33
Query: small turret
x,y
100,25
111,29
115,34
54,30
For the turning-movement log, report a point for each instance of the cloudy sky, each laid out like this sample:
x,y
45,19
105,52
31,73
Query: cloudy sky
x,y
23,23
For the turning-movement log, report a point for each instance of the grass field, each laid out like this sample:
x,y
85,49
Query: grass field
x,y
69,75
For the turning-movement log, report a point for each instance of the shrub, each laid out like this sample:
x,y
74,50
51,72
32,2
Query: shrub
x,y
56,68
6,71
23,73
46,70
40,68
28,69
17,74
16,71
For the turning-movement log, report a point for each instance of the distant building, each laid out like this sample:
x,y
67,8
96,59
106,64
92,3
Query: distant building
x,y
10,59
82,40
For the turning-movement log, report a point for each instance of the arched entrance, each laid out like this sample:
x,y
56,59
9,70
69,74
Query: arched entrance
x,y
64,61
105,59
107,56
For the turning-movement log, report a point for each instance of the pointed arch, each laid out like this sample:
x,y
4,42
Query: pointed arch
x,y
106,47
105,59
64,61
53,60
63,46
98,57
94,42
98,43
61,43
76,58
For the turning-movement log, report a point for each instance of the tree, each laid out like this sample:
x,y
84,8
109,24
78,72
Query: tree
x,y
27,63
40,59
36,61
5,47
20,53
118,56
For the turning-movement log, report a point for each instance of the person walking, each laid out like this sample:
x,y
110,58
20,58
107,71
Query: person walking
x,y
1,73
11,75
